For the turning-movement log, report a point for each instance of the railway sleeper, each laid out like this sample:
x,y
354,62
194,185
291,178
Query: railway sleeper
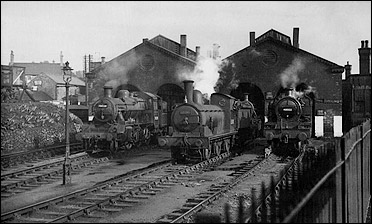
x,y
95,199
164,220
111,209
51,213
158,189
122,205
96,214
139,197
128,200
32,220
149,193
175,215
136,182
190,205
105,194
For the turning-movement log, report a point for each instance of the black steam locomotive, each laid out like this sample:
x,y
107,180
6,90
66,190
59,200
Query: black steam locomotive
x,y
131,118
289,125
199,131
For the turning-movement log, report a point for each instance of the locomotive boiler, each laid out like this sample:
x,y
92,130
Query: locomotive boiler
x,y
199,131
289,122
122,122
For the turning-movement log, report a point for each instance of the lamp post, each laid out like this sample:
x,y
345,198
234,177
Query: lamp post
x,y
67,76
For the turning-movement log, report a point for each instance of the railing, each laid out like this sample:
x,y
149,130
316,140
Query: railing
x,y
330,185
343,194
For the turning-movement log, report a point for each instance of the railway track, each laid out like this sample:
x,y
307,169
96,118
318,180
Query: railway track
x,y
195,204
24,179
108,196
9,161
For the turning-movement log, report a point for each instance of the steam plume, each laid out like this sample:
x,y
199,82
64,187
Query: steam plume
x,y
205,74
289,77
117,73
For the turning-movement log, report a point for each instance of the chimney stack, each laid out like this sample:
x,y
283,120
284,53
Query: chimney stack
x,y
145,39
252,39
296,32
11,58
61,59
197,50
102,60
347,70
216,53
189,90
364,58
183,45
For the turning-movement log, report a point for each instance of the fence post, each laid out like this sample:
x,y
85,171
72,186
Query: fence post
x,y
361,172
340,180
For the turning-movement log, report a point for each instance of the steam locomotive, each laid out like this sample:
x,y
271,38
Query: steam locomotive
x,y
131,118
199,131
289,125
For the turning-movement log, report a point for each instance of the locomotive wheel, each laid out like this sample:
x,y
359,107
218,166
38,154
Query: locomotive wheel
x,y
128,145
207,153
114,146
146,136
217,148
226,146
136,136
85,145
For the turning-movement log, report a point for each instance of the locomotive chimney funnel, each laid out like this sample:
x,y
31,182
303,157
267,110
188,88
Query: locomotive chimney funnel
x,y
107,91
290,92
189,89
246,96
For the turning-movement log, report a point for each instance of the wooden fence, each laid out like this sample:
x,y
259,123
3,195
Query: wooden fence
x,y
343,194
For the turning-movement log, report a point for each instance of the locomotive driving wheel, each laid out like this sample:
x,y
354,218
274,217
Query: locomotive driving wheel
x,y
226,145
217,148
128,145
146,136
207,153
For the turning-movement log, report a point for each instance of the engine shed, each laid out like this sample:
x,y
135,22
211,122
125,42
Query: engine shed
x,y
272,62
152,66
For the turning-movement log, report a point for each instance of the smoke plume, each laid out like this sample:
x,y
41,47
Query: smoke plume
x,y
117,73
205,75
289,77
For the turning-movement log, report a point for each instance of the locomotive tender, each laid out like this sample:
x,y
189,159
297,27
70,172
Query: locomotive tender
x,y
289,122
122,122
199,131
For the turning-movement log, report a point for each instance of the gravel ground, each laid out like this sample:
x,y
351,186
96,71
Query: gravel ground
x,y
87,177
172,199
164,202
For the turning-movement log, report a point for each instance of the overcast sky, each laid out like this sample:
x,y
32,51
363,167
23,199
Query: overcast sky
x,y
39,31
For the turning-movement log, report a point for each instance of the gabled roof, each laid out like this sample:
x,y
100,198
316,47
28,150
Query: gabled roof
x,y
172,45
36,96
155,44
42,67
59,80
285,41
